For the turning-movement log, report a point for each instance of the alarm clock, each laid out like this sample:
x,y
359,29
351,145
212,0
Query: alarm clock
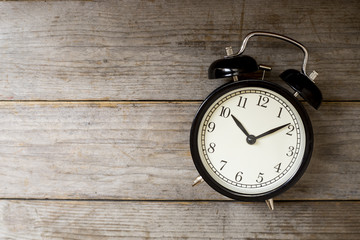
x,y
252,139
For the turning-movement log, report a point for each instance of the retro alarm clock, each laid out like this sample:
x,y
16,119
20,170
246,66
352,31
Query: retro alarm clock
x,y
252,139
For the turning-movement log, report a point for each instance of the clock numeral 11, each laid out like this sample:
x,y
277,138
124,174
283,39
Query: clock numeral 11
x,y
242,102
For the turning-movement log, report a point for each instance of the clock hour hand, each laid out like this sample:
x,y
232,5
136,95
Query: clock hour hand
x,y
271,131
238,123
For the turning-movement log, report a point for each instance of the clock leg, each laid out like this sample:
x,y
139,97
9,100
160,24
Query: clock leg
x,y
270,203
197,181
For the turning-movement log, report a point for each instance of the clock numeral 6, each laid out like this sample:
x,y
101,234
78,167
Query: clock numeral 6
x,y
263,101
238,176
211,148
225,112
211,127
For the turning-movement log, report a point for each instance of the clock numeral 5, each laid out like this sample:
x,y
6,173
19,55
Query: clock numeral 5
x,y
260,178
211,148
238,176
225,112
263,101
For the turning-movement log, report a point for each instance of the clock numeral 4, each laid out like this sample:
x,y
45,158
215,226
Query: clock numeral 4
x,y
263,101
211,127
238,176
260,178
242,102
225,112
211,148
277,167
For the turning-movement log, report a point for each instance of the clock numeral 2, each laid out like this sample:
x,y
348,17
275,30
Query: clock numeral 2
x,y
225,112
291,128
263,101
238,176
242,102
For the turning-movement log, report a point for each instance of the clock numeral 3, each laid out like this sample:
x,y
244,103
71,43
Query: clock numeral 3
x,y
225,112
238,176
211,127
242,102
211,148
291,151
260,178
263,101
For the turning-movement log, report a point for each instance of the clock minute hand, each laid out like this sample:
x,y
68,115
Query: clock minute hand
x,y
238,123
271,131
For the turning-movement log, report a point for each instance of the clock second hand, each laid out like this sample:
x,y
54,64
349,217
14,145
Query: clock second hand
x,y
271,131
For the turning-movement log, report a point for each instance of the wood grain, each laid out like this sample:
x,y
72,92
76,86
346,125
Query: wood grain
x,y
178,220
160,50
129,150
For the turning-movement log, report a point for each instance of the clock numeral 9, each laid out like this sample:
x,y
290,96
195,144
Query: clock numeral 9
x,y
260,178
263,101
225,112
211,127
291,151
211,148
238,176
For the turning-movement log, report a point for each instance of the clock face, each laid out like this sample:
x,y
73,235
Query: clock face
x,y
251,140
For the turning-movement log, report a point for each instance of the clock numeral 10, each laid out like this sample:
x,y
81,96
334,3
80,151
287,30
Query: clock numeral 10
x,y
225,112
242,102
263,101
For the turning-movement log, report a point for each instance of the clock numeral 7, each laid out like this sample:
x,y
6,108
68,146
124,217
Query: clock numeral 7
x,y
225,112
224,163
263,101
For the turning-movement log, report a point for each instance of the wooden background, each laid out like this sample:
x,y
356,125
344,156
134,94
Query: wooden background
x,y
97,100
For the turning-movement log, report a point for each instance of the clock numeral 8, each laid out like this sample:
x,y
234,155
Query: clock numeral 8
x,y
211,149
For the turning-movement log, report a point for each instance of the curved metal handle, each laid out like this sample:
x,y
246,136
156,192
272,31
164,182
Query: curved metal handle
x,y
275,35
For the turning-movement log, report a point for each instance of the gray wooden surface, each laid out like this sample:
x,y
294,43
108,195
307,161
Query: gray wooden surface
x,y
97,100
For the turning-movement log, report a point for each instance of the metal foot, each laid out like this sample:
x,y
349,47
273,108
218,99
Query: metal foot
x,y
197,181
270,204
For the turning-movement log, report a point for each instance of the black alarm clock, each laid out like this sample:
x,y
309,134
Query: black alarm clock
x,y
252,139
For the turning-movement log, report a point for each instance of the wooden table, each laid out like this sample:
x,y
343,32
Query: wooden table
x,y
97,100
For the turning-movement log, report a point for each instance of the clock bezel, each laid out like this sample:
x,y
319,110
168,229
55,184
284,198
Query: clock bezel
x,y
220,92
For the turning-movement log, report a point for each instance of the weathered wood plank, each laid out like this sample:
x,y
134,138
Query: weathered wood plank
x,y
129,150
178,220
123,50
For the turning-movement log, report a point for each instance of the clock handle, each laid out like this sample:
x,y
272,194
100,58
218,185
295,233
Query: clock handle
x,y
274,35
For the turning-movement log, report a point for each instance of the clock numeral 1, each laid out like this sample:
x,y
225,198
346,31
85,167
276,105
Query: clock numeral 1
x,y
280,112
260,178
277,167
211,148
225,112
224,163
263,101
238,176
242,102
211,127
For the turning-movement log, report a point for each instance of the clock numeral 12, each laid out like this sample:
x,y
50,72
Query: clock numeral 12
x,y
263,101
242,102
225,112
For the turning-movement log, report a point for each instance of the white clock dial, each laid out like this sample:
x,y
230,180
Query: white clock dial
x,y
251,140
